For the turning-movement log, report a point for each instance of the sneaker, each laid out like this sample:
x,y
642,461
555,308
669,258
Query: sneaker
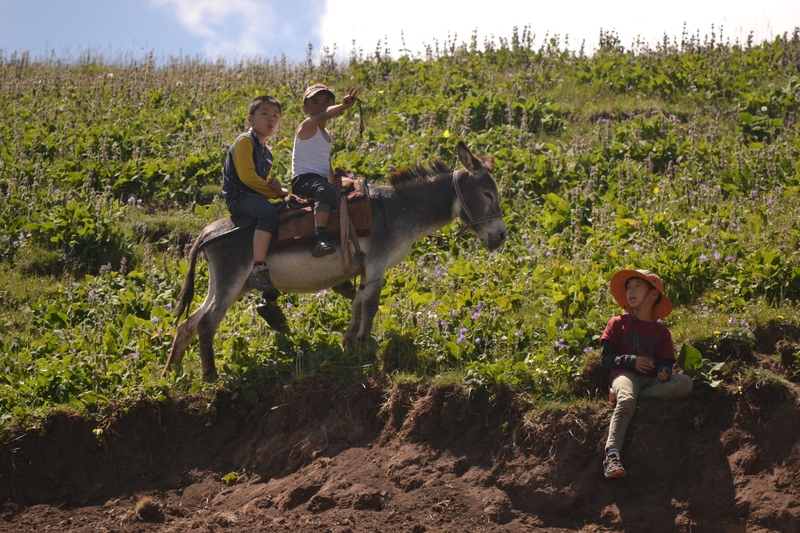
x,y
612,398
273,314
346,289
322,249
259,279
612,466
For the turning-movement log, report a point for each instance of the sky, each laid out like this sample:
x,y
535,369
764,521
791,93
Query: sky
x,y
242,29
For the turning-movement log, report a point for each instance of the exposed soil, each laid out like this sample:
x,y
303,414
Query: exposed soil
x,y
346,456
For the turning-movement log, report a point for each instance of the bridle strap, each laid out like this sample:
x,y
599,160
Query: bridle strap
x,y
471,221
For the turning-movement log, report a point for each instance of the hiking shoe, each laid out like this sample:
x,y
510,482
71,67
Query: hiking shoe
x,y
612,466
346,289
259,279
273,314
322,249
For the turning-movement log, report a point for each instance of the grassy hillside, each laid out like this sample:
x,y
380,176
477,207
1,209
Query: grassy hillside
x,y
682,158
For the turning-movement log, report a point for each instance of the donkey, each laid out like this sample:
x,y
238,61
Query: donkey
x,y
417,202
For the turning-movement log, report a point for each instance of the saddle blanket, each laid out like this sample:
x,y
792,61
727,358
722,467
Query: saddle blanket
x,y
296,217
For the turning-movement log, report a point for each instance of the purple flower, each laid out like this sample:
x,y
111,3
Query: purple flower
x,y
754,193
477,340
728,258
703,258
154,319
518,333
717,255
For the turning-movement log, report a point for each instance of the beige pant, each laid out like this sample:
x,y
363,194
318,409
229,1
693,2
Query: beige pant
x,y
628,386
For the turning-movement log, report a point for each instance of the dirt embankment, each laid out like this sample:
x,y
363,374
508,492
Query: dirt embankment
x,y
346,456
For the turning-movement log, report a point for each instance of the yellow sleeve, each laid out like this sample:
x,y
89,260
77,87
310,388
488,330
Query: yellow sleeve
x,y
246,169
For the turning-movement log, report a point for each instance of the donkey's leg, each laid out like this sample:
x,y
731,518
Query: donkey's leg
x,y
208,325
365,306
183,336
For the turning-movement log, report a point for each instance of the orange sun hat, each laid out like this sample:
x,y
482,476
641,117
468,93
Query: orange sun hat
x,y
619,279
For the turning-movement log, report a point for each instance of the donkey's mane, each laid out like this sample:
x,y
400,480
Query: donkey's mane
x,y
418,172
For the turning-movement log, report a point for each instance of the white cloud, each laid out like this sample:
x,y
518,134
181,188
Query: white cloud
x,y
229,27
424,22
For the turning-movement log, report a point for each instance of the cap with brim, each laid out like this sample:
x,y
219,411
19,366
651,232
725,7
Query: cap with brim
x,y
619,279
316,88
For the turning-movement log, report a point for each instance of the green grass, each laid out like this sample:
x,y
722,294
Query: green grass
x,y
682,159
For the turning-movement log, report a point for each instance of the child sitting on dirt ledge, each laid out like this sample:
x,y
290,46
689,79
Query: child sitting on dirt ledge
x,y
639,352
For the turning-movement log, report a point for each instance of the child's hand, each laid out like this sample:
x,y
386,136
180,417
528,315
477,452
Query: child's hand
x,y
663,376
350,98
644,364
275,185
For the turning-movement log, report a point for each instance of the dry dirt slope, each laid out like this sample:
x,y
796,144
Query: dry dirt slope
x,y
346,456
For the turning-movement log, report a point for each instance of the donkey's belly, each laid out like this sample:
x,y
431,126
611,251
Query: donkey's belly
x,y
295,270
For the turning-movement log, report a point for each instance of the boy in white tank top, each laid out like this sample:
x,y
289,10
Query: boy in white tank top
x,y
312,173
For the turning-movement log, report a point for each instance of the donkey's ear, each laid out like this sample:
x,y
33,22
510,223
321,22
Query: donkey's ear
x,y
488,163
470,162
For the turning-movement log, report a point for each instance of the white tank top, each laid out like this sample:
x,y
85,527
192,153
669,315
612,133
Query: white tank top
x,y
311,156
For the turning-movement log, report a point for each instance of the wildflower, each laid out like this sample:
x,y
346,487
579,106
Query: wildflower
x,y
763,109
476,314
728,258
561,344
386,77
754,193
781,317
135,355
465,128
636,247
655,190
446,134
717,332
477,340
154,319
703,258
717,256
588,349
564,326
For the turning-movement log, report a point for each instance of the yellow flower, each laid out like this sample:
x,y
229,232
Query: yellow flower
x,y
655,191
781,317
380,92
446,134
717,332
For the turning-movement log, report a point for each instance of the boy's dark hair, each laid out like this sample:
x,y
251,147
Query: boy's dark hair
x,y
258,100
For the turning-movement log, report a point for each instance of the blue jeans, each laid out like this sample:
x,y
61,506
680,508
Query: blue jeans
x,y
258,207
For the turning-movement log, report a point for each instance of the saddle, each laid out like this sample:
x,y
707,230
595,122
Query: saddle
x,y
296,219
296,222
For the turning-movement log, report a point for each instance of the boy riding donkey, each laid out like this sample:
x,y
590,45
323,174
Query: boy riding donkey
x,y
248,189
312,172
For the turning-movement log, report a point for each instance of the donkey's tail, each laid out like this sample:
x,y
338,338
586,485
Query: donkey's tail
x,y
187,292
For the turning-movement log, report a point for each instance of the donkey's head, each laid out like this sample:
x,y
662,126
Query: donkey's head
x,y
479,201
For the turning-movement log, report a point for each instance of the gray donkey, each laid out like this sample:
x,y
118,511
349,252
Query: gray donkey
x,y
417,202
